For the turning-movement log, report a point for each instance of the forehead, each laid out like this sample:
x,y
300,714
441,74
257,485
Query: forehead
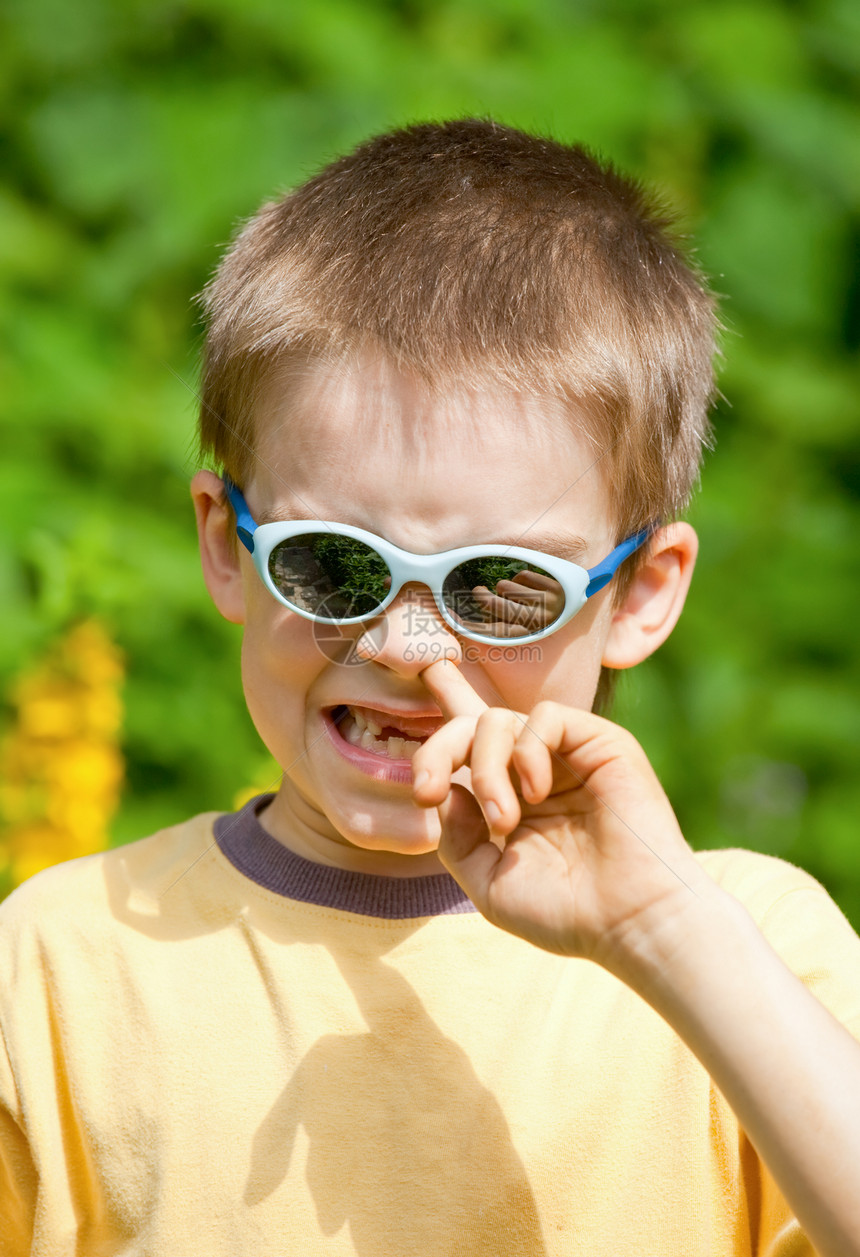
x,y
366,443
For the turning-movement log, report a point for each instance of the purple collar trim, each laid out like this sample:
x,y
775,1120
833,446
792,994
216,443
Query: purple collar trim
x,y
263,859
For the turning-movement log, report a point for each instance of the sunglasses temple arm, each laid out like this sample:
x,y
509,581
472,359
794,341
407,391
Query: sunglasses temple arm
x,y
245,525
603,573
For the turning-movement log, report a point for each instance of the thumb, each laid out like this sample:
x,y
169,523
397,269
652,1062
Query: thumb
x,y
465,847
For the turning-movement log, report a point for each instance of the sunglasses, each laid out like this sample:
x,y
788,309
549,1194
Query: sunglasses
x,y
334,573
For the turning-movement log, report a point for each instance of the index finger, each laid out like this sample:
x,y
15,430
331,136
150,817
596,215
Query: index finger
x,y
451,690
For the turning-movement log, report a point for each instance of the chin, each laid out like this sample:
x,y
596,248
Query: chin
x,y
387,836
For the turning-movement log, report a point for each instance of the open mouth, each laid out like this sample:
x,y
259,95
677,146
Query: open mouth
x,y
375,731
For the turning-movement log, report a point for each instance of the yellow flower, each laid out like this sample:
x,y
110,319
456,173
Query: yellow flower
x,y
48,710
60,767
36,847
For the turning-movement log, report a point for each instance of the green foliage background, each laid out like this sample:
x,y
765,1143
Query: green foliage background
x,y
138,134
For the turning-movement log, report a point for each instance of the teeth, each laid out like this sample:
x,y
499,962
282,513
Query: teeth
x,y
362,731
393,748
364,721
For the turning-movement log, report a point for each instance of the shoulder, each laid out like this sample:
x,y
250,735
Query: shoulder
x,y
77,893
758,880
778,895
801,922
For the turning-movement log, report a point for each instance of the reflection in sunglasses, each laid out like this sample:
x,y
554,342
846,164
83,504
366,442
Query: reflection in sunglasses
x,y
528,603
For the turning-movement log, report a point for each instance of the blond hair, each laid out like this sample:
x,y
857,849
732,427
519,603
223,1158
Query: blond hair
x,y
471,252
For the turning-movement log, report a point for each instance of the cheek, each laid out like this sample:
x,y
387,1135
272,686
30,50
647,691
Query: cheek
x,y
564,667
280,663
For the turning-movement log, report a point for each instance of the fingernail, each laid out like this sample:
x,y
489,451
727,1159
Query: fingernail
x,y
492,811
421,779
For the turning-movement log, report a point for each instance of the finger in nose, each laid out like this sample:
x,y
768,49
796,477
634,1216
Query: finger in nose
x,y
411,630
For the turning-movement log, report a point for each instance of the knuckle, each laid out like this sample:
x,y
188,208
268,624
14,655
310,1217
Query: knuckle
x,y
528,748
617,735
493,717
532,737
546,707
483,780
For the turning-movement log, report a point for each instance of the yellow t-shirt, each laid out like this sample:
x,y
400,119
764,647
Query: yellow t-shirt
x,y
206,1052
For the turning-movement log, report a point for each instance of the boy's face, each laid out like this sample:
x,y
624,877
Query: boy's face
x,y
370,447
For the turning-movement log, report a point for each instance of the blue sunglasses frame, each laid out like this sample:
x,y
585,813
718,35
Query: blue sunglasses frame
x,y
578,583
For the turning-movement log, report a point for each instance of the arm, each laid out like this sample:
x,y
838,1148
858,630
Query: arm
x,y
562,865
788,1069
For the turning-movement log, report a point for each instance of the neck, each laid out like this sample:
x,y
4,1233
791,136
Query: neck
x,y
299,827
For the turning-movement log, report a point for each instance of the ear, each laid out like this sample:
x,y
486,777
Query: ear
x,y
219,549
655,599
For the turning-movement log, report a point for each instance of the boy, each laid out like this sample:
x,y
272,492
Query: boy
x,y
460,985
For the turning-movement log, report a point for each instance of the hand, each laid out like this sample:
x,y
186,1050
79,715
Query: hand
x,y
523,605
583,851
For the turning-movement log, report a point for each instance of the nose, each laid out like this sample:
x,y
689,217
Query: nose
x,y
409,635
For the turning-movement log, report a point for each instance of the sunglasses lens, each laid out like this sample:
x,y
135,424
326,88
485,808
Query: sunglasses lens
x,y
498,596
329,575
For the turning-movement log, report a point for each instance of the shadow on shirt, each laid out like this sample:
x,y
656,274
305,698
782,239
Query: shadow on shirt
x,y
404,1142
420,1159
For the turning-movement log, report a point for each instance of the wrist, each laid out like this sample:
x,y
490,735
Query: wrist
x,y
672,946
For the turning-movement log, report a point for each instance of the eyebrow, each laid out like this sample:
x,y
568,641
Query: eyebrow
x,y
563,545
